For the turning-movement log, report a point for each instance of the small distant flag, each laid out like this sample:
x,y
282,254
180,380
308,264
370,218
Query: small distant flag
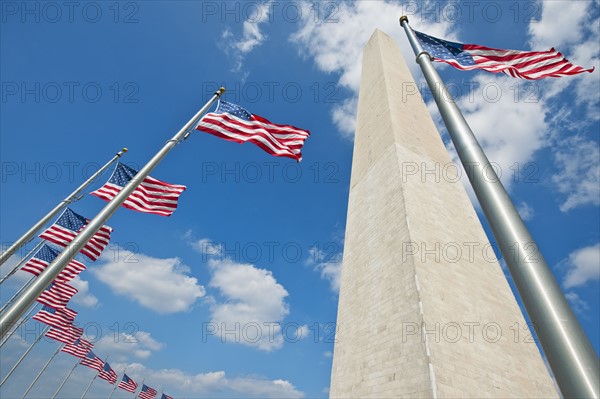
x,y
147,393
152,196
59,318
80,348
233,123
92,361
68,225
66,336
44,256
57,295
529,65
128,384
165,396
108,374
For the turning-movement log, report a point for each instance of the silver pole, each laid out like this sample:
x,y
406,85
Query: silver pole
x,y
141,386
116,384
17,293
571,357
34,229
14,330
62,384
90,384
24,354
22,261
37,377
21,304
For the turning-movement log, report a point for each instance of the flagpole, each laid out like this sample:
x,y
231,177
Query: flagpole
x,y
93,379
34,229
17,294
116,384
65,380
24,354
21,304
22,261
37,377
571,357
141,386
23,320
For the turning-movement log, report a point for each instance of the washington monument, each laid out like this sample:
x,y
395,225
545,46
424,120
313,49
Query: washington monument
x,y
424,307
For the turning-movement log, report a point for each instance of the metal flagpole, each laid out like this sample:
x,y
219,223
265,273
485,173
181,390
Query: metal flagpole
x,y
22,261
116,384
22,303
24,354
37,377
23,320
92,381
570,355
65,380
34,229
17,293
135,395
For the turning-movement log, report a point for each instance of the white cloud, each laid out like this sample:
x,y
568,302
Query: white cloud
x,y
252,297
328,265
578,161
526,211
578,304
122,346
162,285
83,297
583,266
207,247
337,47
216,382
544,33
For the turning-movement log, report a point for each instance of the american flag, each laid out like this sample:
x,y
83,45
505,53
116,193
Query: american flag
x,y
92,361
529,65
59,318
66,336
152,196
44,256
80,348
165,396
108,374
233,123
127,384
57,295
147,393
66,228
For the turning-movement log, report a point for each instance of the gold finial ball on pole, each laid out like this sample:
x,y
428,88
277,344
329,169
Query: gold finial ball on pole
x,y
403,18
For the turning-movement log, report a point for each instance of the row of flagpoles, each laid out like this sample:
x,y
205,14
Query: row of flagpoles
x,y
52,269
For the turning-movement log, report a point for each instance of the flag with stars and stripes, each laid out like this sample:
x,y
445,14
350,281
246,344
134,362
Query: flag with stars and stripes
x,y
92,361
59,318
44,256
127,384
165,396
529,65
67,336
152,196
79,348
57,295
233,123
66,228
147,393
108,374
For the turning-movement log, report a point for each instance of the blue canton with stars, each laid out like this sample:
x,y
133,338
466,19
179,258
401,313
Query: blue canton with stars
x,y
71,221
46,254
445,50
235,110
122,175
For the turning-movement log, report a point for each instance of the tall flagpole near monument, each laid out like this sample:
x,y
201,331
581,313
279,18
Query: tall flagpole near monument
x,y
21,304
570,355
73,196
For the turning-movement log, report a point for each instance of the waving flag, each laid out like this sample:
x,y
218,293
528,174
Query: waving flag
x,y
57,295
92,361
233,123
127,384
165,396
54,317
44,256
147,393
68,225
152,196
79,348
529,65
108,374
66,336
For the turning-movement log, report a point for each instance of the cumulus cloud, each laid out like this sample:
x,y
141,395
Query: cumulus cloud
x,y
162,285
251,296
578,304
526,211
83,296
583,266
327,264
123,346
215,382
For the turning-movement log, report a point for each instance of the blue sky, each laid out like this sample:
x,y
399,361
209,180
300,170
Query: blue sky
x,y
257,240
